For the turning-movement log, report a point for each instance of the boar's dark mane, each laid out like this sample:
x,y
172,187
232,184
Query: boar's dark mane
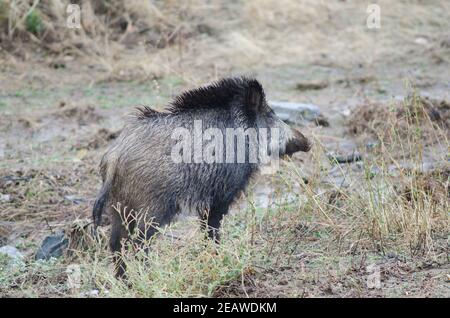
x,y
143,112
240,91
223,94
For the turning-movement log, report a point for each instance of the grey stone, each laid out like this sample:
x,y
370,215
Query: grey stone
x,y
15,257
5,197
346,158
343,151
11,252
74,199
52,246
336,181
295,113
372,145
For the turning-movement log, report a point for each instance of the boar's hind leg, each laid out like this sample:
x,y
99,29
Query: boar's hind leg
x,y
118,233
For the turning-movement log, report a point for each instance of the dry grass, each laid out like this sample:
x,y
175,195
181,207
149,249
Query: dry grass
x,y
142,39
430,119
403,213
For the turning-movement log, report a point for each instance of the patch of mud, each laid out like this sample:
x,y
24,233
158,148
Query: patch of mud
x,y
102,138
311,85
47,132
83,115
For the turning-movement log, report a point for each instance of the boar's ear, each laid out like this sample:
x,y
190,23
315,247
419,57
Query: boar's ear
x,y
254,97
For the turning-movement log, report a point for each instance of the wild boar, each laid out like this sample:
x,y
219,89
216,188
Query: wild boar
x,y
146,169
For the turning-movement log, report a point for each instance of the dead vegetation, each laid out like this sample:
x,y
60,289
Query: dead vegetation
x,y
320,242
143,40
430,115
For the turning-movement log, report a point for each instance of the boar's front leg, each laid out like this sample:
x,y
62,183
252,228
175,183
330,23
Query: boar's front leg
x,y
150,220
211,220
145,231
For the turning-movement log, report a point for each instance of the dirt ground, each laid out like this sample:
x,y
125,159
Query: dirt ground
x,y
60,111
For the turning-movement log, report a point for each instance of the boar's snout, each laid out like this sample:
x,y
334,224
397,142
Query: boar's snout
x,y
298,142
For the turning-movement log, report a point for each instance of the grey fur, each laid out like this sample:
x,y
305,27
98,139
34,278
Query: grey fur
x,y
138,171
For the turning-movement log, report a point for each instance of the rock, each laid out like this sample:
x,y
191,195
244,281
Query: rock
x,y
391,255
336,181
74,199
52,246
296,113
372,145
424,167
421,41
16,258
344,151
11,180
11,252
93,293
5,197
395,169
353,157
346,112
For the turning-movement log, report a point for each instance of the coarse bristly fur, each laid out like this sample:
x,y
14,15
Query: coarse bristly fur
x,y
219,94
139,173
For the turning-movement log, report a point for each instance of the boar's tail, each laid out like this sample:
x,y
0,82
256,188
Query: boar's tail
x,y
102,199
99,205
